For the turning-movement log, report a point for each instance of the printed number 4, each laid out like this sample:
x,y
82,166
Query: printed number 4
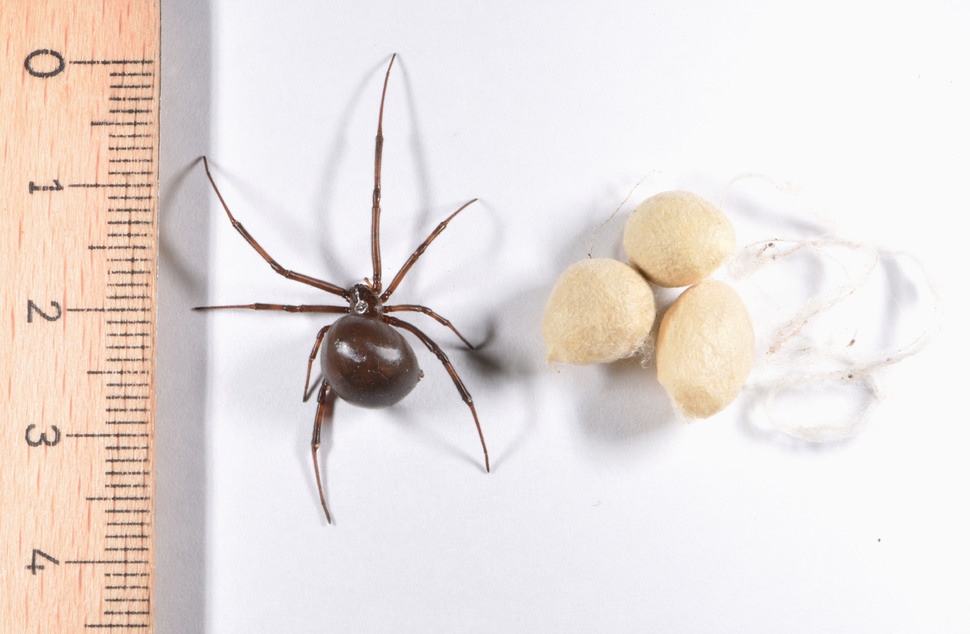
x,y
33,567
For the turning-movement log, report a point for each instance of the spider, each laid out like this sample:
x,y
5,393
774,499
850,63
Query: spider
x,y
365,359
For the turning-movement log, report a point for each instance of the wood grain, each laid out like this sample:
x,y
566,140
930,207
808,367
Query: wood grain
x,y
89,245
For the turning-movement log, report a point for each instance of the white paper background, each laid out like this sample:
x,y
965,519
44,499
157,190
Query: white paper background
x,y
603,512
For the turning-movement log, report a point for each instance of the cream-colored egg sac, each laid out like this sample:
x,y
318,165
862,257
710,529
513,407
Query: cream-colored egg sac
x,y
705,348
599,311
678,238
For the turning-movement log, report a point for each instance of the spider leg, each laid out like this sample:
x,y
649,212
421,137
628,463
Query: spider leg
x,y
421,249
438,352
375,227
430,313
313,357
288,274
324,411
302,308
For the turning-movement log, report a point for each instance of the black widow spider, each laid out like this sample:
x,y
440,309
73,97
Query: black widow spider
x,y
365,360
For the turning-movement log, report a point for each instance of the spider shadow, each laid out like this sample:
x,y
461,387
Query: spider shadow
x,y
335,266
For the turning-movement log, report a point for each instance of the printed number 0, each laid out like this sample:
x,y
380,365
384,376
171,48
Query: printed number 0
x,y
58,58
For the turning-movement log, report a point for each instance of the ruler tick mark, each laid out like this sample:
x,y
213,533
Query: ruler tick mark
x,y
105,435
112,61
109,185
131,123
124,562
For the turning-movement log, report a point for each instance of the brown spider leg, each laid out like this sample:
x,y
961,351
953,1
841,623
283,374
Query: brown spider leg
x,y
438,352
430,313
375,227
324,411
288,274
313,357
417,252
302,308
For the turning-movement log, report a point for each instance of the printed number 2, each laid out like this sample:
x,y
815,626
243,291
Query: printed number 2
x,y
33,308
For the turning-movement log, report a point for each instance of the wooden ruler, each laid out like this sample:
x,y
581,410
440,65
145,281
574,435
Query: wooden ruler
x,y
79,87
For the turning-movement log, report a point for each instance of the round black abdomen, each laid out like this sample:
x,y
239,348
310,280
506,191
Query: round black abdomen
x,y
367,362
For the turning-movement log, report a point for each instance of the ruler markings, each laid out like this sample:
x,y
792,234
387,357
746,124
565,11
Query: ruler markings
x,y
127,599
126,549
108,562
105,435
123,309
112,61
107,185
111,123
129,174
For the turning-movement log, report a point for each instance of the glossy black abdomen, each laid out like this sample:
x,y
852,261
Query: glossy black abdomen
x,y
367,362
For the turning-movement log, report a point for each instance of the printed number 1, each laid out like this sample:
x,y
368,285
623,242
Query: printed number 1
x,y
56,187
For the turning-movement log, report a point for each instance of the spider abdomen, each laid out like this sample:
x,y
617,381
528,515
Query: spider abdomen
x,y
367,362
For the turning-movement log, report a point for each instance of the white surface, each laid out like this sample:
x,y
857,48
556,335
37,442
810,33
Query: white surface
x,y
603,511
